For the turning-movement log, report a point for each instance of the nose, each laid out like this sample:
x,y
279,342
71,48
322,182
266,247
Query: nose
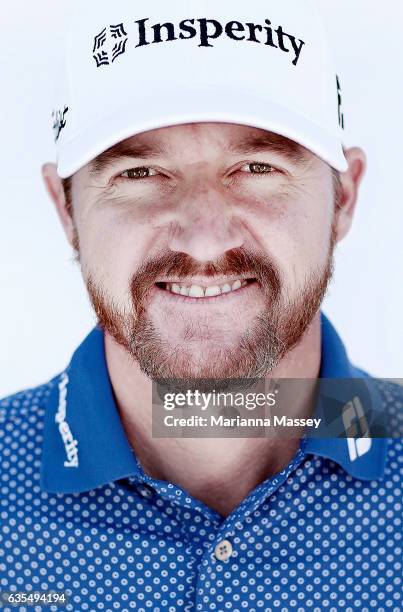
x,y
205,226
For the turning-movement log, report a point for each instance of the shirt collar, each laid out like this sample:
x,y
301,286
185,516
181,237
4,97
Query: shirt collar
x,y
363,458
85,445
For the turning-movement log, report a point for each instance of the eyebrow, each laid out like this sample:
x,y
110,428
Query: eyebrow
x,y
270,142
123,150
250,144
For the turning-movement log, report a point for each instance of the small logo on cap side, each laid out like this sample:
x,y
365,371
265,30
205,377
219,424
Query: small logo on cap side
x,y
340,101
59,121
109,44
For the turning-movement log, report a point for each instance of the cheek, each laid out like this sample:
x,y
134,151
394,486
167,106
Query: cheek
x,y
293,227
118,233
111,249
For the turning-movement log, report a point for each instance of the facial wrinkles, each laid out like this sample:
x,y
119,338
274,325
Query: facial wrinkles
x,y
274,210
286,216
258,350
115,223
202,143
151,199
150,204
193,197
284,196
275,331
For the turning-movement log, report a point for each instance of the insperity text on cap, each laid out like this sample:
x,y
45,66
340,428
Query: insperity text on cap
x,y
131,66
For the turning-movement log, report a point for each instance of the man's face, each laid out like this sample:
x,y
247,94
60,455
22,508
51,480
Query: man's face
x,y
206,248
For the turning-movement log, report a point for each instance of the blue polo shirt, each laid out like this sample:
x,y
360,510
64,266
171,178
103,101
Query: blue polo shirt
x,y
79,515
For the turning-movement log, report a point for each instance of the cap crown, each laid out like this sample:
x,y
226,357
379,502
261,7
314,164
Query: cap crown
x,y
161,63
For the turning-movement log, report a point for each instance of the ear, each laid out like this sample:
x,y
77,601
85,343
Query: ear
x,y
54,187
350,183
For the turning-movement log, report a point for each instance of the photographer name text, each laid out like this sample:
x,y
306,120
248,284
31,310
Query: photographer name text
x,y
195,421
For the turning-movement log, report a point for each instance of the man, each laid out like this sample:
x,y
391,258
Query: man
x,y
202,183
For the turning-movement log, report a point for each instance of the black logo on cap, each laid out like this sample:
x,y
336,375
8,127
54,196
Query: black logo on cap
x,y
109,44
59,121
340,101
112,40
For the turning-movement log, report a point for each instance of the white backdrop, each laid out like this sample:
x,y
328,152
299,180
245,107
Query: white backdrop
x,y
44,312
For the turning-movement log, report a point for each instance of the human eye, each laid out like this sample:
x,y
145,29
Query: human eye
x,y
258,168
140,172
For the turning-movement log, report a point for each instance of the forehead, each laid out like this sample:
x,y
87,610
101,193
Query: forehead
x,y
215,133
177,141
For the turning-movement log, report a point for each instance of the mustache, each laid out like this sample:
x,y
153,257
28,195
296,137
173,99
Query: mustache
x,y
236,262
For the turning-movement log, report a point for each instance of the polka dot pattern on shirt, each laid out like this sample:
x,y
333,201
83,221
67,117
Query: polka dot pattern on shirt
x,y
311,538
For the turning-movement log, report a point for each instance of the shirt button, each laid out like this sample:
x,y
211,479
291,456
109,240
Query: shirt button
x,y
223,550
145,491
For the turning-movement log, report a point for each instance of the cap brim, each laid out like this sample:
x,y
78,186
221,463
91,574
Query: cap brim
x,y
193,107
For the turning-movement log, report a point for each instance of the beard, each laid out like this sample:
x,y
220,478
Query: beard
x,y
278,328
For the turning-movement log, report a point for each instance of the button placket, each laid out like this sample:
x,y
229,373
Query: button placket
x,y
223,551
145,491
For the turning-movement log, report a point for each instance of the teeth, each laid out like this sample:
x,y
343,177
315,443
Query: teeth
x,y
211,291
196,291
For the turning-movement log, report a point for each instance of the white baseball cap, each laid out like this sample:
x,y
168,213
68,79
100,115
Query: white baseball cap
x,y
132,66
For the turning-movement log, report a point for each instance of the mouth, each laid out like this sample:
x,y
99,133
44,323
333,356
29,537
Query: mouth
x,y
208,289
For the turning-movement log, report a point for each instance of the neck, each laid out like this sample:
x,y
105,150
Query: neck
x,y
218,471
